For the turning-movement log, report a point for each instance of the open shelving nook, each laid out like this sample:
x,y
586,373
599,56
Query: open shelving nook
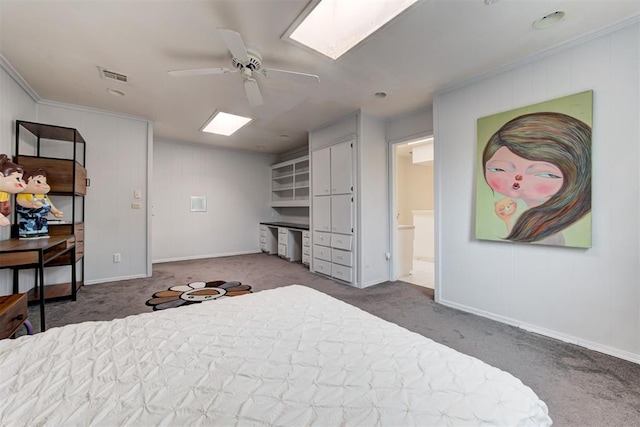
x,y
290,183
61,152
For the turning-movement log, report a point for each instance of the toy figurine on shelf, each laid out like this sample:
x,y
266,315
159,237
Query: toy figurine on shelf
x,y
10,183
33,205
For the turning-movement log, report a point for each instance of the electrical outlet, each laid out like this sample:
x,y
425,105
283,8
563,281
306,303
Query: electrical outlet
x,y
137,194
136,205
116,257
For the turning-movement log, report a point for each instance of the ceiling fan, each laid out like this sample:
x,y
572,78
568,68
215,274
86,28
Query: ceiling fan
x,y
248,62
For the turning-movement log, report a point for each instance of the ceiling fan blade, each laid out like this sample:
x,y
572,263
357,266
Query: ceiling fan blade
x,y
200,72
234,43
271,73
252,91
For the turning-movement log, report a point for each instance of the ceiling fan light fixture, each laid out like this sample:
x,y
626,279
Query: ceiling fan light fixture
x,y
226,124
333,27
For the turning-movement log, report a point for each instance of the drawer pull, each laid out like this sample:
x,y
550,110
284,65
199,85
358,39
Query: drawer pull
x,y
19,317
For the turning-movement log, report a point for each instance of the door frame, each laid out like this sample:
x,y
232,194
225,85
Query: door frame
x,y
393,194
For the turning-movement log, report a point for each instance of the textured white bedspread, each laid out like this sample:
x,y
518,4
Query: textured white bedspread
x,y
290,356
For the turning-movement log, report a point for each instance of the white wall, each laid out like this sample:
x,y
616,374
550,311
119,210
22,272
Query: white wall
x,y
418,123
373,201
117,151
236,185
15,104
117,164
589,297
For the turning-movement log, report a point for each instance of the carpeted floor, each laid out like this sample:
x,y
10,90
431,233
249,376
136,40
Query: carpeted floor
x,y
581,387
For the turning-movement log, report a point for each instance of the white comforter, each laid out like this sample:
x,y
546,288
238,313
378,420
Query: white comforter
x,y
288,356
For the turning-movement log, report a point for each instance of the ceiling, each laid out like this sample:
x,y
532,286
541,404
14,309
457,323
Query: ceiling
x,y
58,45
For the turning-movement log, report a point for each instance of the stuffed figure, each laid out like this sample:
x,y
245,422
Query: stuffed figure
x,y
10,183
33,205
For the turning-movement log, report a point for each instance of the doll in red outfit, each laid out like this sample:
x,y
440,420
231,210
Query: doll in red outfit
x,y
10,183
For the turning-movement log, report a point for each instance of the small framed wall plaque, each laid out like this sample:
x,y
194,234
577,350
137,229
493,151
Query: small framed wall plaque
x,y
198,204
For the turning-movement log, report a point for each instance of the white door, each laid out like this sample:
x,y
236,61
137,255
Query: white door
x,y
341,168
322,213
341,214
321,174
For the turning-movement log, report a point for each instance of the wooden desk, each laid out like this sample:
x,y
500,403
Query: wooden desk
x,y
21,254
13,314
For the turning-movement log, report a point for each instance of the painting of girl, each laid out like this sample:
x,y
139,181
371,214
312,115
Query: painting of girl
x,y
535,185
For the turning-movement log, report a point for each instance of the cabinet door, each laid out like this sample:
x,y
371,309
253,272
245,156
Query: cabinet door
x,y
322,213
341,214
321,173
341,168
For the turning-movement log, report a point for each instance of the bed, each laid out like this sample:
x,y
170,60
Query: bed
x,y
289,356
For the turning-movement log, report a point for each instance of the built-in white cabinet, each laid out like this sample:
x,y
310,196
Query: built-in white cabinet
x,y
349,200
306,247
268,239
322,213
342,168
290,183
342,213
321,176
332,209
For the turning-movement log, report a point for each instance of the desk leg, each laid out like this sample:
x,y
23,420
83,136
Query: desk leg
x,y
16,275
40,272
74,291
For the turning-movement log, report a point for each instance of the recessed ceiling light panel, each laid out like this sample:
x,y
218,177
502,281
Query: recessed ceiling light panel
x,y
548,20
333,27
226,124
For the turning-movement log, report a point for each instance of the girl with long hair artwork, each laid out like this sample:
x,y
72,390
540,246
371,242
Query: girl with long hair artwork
x,y
538,166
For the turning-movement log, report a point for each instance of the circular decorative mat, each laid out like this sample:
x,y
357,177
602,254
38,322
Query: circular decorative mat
x,y
196,292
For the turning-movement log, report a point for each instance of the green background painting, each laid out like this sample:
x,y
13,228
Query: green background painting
x,y
488,225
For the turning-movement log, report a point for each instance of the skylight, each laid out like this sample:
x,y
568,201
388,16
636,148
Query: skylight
x,y
333,27
226,124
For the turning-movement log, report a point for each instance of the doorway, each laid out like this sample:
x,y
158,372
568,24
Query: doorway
x,y
413,211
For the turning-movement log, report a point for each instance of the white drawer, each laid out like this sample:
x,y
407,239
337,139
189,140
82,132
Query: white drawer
x,y
263,239
264,247
341,241
306,234
306,259
341,272
306,241
282,239
322,252
282,230
321,238
338,256
263,232
263,228
306,250
282,250
323,267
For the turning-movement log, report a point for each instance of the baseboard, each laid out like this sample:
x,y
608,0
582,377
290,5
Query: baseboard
x,y
600,348
115,279
188,258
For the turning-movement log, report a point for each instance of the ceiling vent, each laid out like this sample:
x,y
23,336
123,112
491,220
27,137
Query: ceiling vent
x,y
112,75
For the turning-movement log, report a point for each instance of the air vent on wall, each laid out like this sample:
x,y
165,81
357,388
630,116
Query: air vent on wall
x,y
112,75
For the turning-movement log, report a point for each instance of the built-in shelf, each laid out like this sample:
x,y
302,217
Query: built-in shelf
x,y
60,151
290,183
